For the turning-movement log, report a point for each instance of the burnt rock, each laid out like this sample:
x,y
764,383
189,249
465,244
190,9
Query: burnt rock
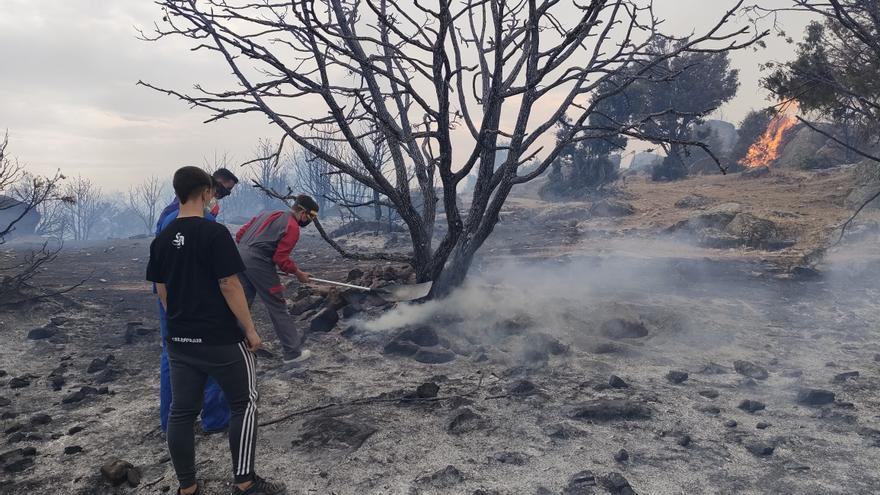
x,y
523,388
333,433
709,393
708,409
730,423
116,471
618,329
814,397
714,369
693,201
133,476
676,377
13,428
75,429
464,420
580,483
751,406
750,369
561,431
351,310
512,458
305,304
621,456
423,336
762,425
427,390
324,321
73,397
40,419
606,348
434,356
25,436
4,402
42,332
842,377
107,376
354,274
57,382
444,478
8,415
759,449
72,449
684,440
610,410
59,320
546,344
16,461
97,365
401,348
19,382
617,382
616,484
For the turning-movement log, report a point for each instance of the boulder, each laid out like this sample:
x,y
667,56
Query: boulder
x,y
755,173
814,397
693,201
752,231
42,332
860,194
801,149
116,471
611,208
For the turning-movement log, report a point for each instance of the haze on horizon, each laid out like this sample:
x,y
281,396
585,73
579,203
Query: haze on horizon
x,y
69,100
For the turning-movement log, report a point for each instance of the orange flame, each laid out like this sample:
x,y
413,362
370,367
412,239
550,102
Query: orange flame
x,y
766,149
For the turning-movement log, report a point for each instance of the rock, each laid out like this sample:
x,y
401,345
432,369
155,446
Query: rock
x,y
40,419
328,432
755,173
13,428
5,402
580,483
684,440
400,348
762,425
753,231
19,382
512,458
611,208
116,471
617,382
434,356
423,336
759,449
427,390
708,409
444,478
610,410
842,377
133,476
57,382
814,397
354,274
72,449
73,397
616,484
25,436
714,369
750,369
693,201
751,406
545,344
59,320
618,329
523,388
97,365
709,393
107,376
324,321
606,348
676,376
74,430
464,420
730,423
16,461
305,304
42,332
351,310
621,456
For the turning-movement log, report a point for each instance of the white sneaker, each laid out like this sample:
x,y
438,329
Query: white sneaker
x,y
297,358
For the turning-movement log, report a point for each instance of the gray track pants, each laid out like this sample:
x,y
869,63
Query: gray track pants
x,y
261,279
234,369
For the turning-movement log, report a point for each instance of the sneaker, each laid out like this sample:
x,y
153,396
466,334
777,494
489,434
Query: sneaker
x,y
262,487
296,357
197,492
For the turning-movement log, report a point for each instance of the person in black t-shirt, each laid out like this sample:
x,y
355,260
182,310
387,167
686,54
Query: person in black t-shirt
x,y
195,264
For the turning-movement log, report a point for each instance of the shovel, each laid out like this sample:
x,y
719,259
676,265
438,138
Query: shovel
x,y
391,293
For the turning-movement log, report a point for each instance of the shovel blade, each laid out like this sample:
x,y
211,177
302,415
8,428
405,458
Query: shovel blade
x,y
407,292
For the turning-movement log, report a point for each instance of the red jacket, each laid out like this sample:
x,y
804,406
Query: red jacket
x,y
273,235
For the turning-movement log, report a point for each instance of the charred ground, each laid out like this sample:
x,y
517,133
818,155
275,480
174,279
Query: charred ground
x,y
599,348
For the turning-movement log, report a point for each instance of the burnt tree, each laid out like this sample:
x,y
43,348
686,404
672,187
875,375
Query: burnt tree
x,y
441,85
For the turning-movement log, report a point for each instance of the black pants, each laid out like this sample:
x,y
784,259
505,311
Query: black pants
x,y
233,368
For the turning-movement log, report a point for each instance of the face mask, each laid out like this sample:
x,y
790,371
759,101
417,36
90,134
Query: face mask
x,y
220,191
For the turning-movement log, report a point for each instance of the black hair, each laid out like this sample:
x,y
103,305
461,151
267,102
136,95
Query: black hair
x,y
189,182
225,174
306,203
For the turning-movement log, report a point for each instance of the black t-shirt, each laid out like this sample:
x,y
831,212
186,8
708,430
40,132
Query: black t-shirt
x,y
190,256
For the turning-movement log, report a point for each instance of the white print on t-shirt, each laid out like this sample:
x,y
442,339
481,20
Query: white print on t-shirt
x,y
178,240
186,340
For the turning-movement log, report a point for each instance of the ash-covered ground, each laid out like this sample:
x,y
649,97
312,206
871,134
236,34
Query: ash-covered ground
x,y
614,364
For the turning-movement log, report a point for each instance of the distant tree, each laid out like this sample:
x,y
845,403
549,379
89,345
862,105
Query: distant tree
x,y
752,127
86,208
695,85
145,201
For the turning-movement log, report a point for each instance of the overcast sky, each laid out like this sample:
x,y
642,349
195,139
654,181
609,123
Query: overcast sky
x,y
69,100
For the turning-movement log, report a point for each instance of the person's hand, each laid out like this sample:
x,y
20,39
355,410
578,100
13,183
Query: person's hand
x,y
253,340
302,276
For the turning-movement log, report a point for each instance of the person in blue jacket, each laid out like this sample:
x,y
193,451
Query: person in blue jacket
x,y
215,409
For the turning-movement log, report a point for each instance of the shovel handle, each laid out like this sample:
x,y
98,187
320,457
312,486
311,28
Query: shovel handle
x,y
333,282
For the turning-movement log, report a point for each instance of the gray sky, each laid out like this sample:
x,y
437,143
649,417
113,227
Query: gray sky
x,y
69,100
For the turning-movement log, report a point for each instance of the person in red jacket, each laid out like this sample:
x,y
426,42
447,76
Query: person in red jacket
x,y
265,242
